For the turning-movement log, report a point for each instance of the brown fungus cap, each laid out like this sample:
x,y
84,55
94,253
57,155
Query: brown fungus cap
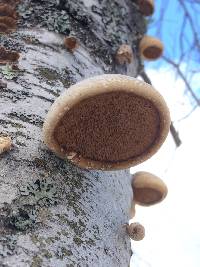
x,y
146,7
7,10
71,43
4,28
151,48
9,22
148,189
7,56
136,231
107,122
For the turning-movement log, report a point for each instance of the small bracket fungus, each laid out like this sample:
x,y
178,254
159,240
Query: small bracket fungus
x,y
124,54
4,28
71,43
148,189
146,7
151,48
5,144
7,10
7,56
9,22
135,231
107,122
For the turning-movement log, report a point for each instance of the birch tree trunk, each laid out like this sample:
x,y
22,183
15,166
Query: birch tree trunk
x,y
53,213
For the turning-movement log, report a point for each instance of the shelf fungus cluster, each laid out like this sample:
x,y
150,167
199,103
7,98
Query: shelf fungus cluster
x,y
107,122
148,189
8,23
150,48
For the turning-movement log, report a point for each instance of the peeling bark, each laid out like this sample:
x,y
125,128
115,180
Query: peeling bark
x,y
53,213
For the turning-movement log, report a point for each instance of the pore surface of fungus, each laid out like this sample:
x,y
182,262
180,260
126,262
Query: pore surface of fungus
x,y
151,48
148,189
107,122
136,231
146,7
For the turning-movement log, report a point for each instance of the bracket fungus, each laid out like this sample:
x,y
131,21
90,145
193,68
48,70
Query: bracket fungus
x,y
7,56
136,231
124,54
9,22
107,122
148,189
150,48
146,7
71,43
4,28
5,144
7,10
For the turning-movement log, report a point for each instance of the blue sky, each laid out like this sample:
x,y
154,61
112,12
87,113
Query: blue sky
x,y
172,227
169,29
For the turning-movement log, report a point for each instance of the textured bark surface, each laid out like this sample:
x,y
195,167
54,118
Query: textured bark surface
x,y
51,212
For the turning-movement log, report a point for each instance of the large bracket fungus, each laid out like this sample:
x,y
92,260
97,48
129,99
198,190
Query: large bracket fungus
x,y
107,122
151,48
148,189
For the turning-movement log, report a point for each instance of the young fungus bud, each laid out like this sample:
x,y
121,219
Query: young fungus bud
x,y
71,43
136,231
124,54
5,144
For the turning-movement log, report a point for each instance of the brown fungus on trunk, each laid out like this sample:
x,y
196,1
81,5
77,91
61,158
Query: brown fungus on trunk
x,y
124,54
151,48
9,22
107,122
7,10
4,28
7,56
136,231
146,7
5,144
12,3
71,43
148,189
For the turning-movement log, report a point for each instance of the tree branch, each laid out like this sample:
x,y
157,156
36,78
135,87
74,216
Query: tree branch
x,y
173,131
